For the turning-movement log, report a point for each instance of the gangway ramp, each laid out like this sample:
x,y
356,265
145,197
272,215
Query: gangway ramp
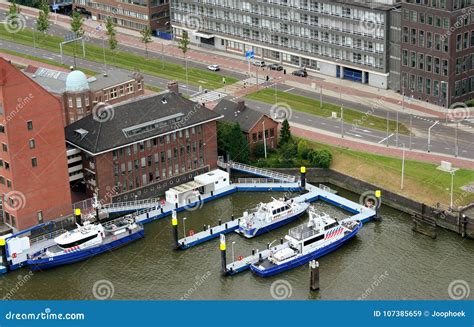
x,y
257,171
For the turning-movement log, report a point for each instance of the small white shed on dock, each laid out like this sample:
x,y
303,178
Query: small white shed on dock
x,y
212,181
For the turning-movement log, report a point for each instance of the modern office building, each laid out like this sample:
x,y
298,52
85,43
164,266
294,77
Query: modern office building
x,y
437,50
81,96
152,143
132,14
34,181
340,38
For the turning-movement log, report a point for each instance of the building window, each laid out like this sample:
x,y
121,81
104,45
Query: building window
x,y
2,129
34,162
78,102
32,144
69,102
29,125
4,147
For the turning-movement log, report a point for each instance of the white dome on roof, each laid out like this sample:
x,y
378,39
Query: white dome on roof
x,y
76,81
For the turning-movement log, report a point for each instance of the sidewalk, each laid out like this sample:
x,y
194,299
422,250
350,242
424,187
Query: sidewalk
x,y
331,86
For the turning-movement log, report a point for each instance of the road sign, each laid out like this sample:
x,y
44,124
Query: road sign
x,y
249,54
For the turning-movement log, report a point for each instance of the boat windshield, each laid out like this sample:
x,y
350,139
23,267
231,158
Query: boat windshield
x,y
78,242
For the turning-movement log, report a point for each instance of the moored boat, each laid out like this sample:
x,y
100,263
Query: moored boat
x,y
271,215
86,241
319,236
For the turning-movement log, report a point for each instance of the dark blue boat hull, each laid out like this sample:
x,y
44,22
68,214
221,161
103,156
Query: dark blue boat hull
x,y
64,259
306,258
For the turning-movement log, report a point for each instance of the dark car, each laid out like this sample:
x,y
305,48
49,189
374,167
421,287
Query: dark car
x,y
276,67
300,73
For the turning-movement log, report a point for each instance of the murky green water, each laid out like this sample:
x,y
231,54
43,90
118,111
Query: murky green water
x,y
385,261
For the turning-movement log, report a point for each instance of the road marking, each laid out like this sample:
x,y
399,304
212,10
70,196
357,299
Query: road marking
x,y
383,140
356,135
290,89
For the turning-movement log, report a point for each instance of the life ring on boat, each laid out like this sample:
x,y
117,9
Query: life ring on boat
x,y
14,255
191,232
240,258
162,202
114,238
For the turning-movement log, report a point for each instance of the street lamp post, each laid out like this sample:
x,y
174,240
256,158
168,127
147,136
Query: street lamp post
x,y
403,167
429,134
388,126
342,113
456,145
396,138
411,123
452,188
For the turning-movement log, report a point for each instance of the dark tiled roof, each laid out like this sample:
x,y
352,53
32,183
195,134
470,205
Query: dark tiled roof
x,y
99,134
235,112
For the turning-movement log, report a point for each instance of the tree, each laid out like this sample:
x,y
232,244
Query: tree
x,y
285,133
42,23
223,137
183,44
146,37
76,24
320,158
110,31
289,151
303,149
258,150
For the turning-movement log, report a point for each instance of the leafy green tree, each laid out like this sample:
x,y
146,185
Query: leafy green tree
x,y
42,23
285,133
303,149
223,137
111,33
238,146
258,150
289,151
320,158
183,43
76,24
146,37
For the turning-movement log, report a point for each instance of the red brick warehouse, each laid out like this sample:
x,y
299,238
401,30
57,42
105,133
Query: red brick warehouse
x,y
34,181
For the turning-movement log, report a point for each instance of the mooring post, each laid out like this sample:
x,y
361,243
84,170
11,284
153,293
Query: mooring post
x,y
232,218
281,240
314,275
378,203
223,249
204,227
77,215
174,222
303,178
220,222
3,252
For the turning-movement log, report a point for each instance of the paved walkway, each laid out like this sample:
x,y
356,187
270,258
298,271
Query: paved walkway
x,y
331,86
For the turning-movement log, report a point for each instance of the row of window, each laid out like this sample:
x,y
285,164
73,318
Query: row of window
x,y
436,65
428,86
258,137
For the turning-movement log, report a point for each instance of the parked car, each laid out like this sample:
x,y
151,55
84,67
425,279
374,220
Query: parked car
x,y
258,63
276,67
214,68
300,73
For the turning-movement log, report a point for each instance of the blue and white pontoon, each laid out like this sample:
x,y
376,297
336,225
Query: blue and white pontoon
x,y
86,241
268,216
321,235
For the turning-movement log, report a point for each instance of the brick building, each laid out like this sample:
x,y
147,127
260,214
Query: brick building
x,y
81,96
34,184
132,14
437,50
252,122
147,145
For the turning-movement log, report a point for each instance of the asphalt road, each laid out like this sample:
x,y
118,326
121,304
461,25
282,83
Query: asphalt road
x,y
442,137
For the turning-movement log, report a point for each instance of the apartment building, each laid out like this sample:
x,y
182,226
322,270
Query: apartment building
x,y
34,183
152,143
437,50
132,14
340,38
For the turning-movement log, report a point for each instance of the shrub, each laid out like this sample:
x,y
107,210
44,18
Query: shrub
x,y
303,149
320,158
259,151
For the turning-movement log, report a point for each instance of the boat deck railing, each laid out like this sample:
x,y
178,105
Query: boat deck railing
x,y
301,232
258,171
260,181
47,236
131,205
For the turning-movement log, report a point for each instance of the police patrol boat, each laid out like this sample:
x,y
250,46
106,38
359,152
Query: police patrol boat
x,y
85,241
319,236
268,216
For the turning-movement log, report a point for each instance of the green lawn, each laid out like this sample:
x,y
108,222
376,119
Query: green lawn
x,y
122,59
47,61
312,106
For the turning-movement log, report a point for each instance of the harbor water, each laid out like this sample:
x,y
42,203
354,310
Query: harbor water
x,y
386,260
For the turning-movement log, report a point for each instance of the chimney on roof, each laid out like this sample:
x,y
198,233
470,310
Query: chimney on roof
x,y
240,106
173,86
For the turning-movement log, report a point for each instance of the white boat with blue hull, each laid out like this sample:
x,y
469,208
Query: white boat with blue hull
x,y
320,236
86,241
268,216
